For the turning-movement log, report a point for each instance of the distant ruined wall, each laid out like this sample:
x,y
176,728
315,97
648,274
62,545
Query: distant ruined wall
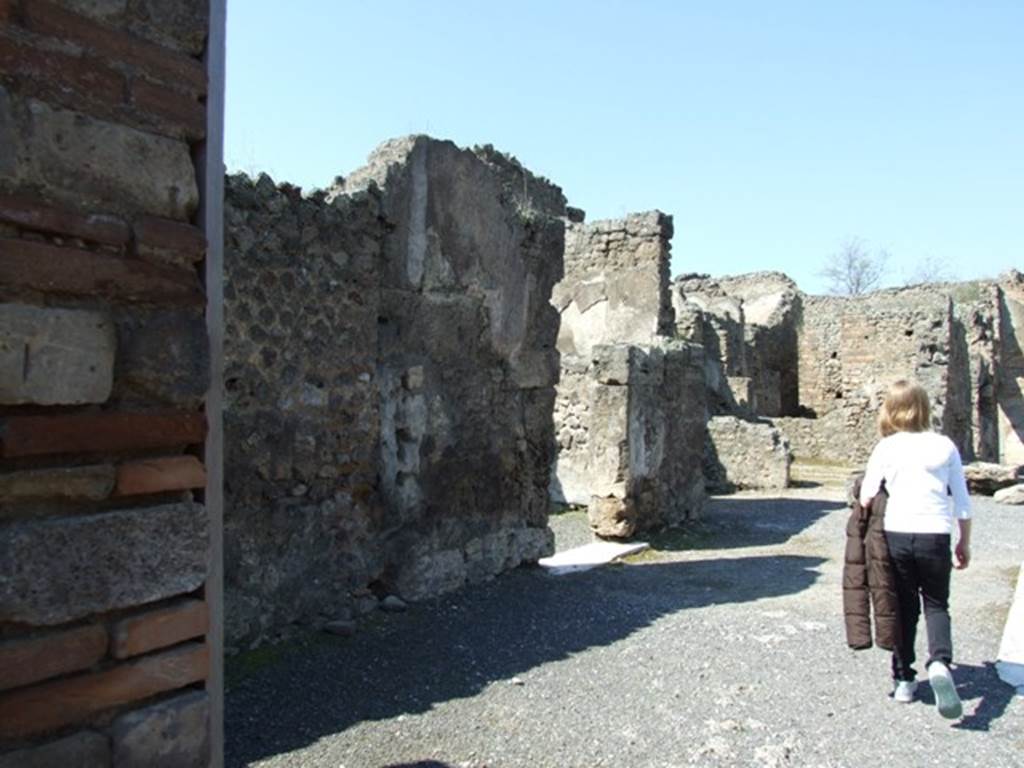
x,y
631,436
976,314
616,283
631,403
851,349
745,454
749,325
391,381
841,353
1010,376
107,610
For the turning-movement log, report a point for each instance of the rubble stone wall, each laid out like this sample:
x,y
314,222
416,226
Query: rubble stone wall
x,y
391,379
632,429
745,454
749,325
1010,375
301,412
104,368
851,349
631,404
616,283
976,313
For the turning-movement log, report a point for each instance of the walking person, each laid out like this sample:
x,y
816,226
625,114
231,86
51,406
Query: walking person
x,y
922,474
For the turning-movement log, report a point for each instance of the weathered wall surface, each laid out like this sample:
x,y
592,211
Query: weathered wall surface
x,y
631,435
301,411
976,312
749,324
104,365
467,361
616,283
851,349
391,381
631,405
1010,379
745,454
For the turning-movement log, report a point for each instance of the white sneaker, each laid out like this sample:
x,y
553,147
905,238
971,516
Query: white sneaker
x,y
904,691
946,698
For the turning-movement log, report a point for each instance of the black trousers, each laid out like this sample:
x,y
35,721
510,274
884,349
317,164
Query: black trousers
x,y
921,565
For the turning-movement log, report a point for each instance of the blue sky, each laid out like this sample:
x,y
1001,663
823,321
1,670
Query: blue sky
x,y
772,131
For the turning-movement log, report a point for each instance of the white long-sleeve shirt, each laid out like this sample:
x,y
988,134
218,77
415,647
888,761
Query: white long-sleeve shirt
x,y
925,480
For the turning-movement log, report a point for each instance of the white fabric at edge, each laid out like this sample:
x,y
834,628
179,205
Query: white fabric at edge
x,y
1011,650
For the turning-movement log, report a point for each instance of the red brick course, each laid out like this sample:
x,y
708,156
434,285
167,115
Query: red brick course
x,y
153,234
8,10
161,63
174,473
98,432
54,269
39,709
159,629
174,106
85,75
31,659
31,214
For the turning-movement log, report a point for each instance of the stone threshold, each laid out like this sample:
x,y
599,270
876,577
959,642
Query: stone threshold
x,y
589,556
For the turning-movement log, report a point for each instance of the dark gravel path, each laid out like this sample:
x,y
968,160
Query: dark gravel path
x,y
724,647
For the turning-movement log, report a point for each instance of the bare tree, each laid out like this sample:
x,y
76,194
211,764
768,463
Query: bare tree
x,y
931,270
853,270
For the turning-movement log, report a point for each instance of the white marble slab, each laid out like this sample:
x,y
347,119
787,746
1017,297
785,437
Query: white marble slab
x,y
589,556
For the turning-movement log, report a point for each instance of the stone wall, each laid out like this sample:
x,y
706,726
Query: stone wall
x,y
1010,376
976,311
616,282
745,454
104,367
391,371
749,325
301,413
851,349
631,403
841,353
631,429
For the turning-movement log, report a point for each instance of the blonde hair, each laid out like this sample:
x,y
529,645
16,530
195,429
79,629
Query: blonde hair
x,y
906,409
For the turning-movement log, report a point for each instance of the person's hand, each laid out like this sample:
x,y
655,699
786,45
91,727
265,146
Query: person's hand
x,y
963,555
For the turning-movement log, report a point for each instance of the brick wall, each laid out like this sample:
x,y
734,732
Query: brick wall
x,y
104,367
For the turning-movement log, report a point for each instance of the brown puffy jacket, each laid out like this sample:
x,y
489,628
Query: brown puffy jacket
x,y
867,576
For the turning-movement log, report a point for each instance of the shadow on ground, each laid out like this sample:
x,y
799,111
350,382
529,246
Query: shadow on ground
x,y
983,683
454,647
735,522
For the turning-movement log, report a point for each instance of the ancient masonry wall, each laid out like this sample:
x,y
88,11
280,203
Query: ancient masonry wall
x,y
391,369
1010,377
635,418
616,286
631,404
104,367
301,412
748,323
851,349
741,453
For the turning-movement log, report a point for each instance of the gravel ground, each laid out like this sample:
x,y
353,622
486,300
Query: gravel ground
x,y
723,646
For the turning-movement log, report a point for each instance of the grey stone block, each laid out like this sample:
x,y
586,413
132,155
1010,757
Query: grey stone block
x,y
57,570
86,162
172,734
55,356
92,483
163,356
85,749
